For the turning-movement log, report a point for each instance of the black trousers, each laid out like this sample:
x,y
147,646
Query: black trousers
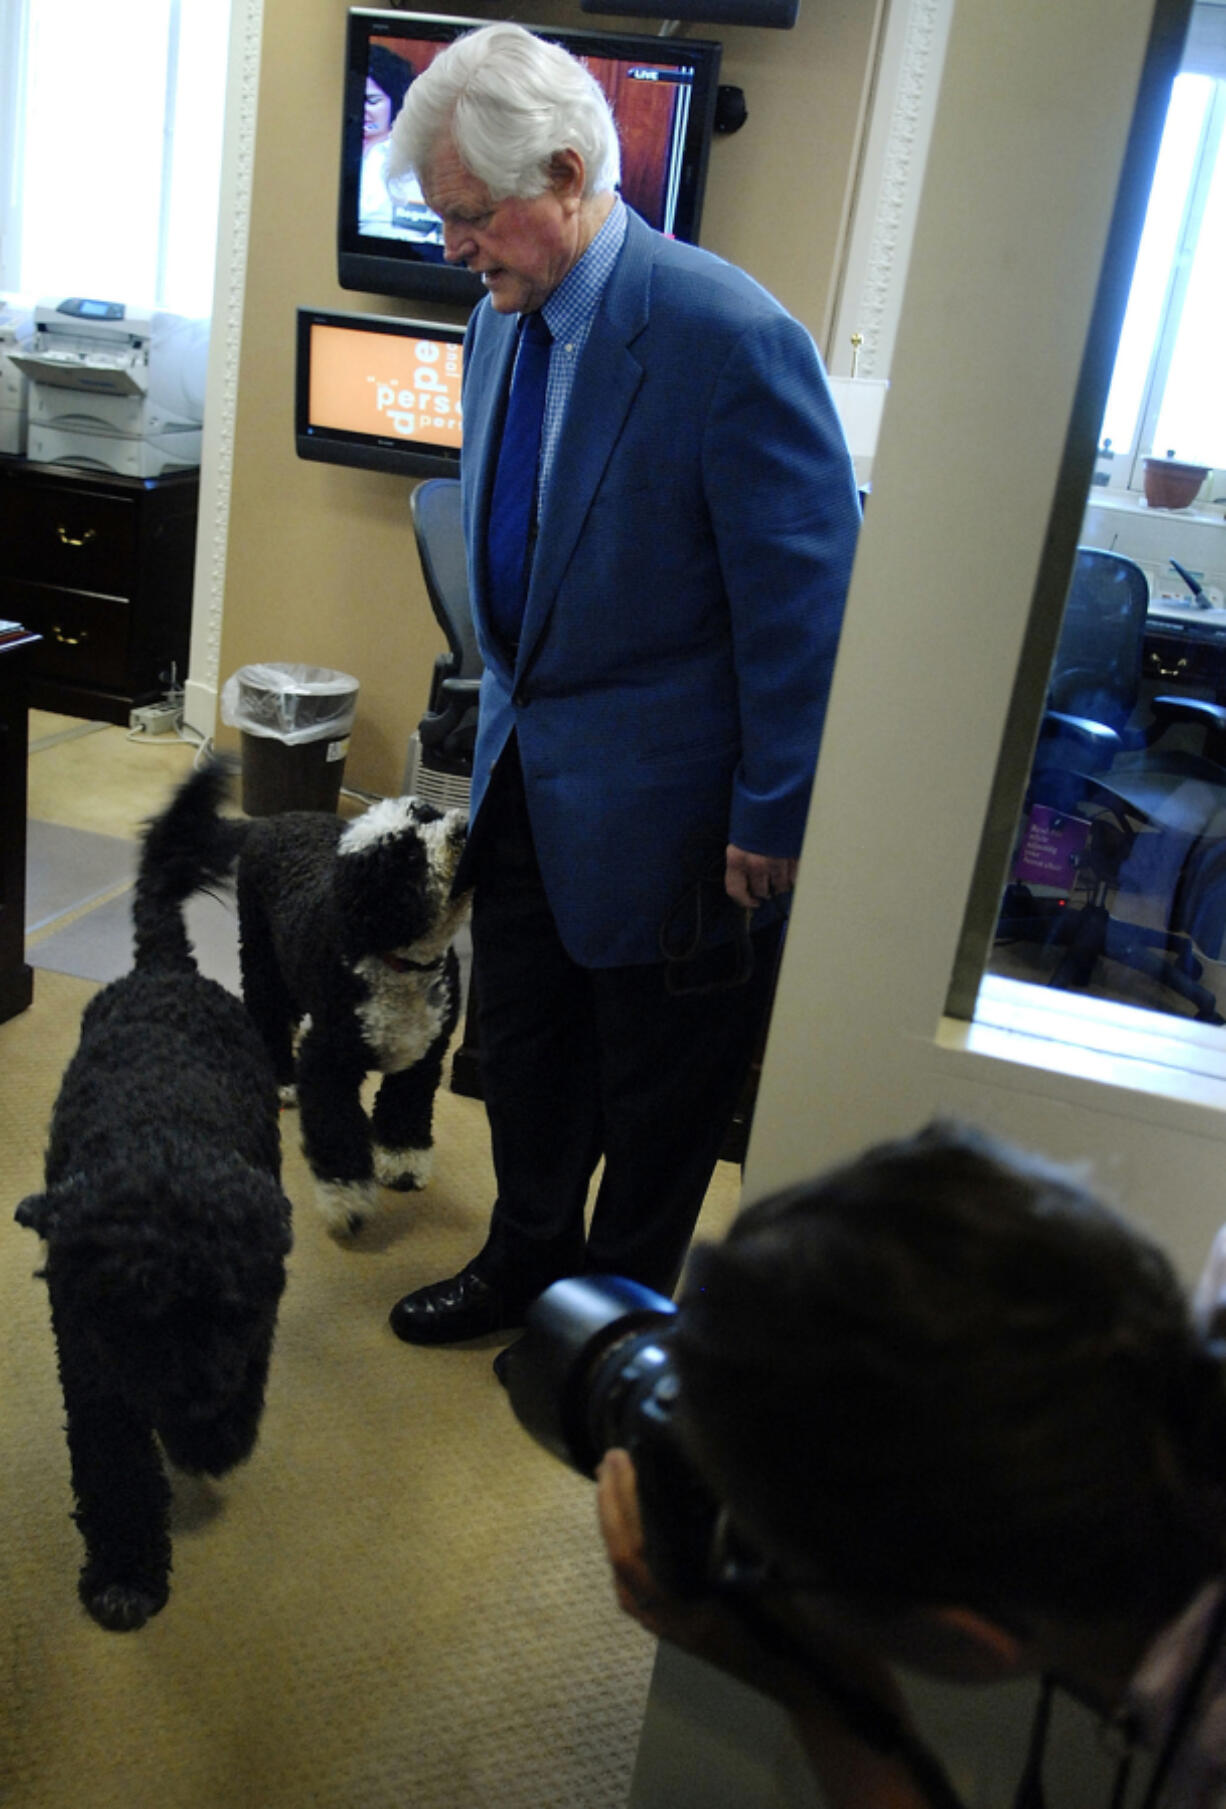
x,y
581,1063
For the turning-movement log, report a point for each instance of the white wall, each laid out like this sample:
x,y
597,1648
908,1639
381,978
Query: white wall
x,y
1021,179
1020,185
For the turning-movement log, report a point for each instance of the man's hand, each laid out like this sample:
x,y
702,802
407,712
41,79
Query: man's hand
x,y
749,879
850,1773
705,1627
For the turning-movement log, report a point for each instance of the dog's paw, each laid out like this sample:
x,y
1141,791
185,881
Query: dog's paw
x,y
346,1205
122,1607
209,1447
405,1170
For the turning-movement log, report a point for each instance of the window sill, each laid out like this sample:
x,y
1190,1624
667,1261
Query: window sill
x,y
1097,1040
1131,502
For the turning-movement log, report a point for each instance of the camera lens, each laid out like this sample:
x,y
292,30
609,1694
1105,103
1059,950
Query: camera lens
x,y
557,1377
592,1370
634,1376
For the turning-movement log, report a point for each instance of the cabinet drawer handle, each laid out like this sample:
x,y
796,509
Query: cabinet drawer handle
x,y
67,539
69,640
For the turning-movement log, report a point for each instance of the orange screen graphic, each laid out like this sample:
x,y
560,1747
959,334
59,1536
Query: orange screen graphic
x,y
381,383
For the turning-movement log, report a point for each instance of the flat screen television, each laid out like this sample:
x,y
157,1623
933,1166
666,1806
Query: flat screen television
x,y
662,91
379,392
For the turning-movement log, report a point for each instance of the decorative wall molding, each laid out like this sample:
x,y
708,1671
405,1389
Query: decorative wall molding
x,y
225,346
898,193
897,144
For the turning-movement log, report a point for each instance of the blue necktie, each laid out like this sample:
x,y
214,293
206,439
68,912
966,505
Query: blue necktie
x,y
513,504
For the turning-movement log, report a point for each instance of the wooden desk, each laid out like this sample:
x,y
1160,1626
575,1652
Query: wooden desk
x,y
16,977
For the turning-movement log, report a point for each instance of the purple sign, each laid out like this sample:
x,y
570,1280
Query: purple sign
x,y
1051,848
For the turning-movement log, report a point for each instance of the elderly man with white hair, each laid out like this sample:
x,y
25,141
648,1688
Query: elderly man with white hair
x,y
660,517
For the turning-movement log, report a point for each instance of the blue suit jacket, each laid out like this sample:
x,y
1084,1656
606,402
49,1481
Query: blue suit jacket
x,y
686,596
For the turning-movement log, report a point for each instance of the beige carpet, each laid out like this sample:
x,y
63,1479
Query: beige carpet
x,y
398,1603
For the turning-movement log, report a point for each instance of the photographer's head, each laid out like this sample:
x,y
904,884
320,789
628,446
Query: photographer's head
x,y
946,1386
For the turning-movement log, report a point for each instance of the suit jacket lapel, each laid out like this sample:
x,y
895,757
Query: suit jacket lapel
x,y
490,378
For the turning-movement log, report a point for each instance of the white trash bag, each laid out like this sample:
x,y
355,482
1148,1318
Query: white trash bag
x,y
293,704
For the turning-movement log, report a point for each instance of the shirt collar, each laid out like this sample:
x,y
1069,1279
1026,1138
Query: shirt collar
x,y
576,297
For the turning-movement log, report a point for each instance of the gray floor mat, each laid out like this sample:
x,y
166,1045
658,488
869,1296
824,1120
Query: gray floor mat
x,y
98,946
66,868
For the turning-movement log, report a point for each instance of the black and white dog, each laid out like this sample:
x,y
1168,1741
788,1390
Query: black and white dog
x,y
345,936
165,1224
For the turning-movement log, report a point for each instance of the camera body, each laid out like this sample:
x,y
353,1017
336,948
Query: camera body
x,y
594,1370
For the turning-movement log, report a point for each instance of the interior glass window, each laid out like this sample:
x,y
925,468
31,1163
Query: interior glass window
x,y
1116,886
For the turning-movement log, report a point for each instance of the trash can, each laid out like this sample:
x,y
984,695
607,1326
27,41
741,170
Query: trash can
x,y
295,723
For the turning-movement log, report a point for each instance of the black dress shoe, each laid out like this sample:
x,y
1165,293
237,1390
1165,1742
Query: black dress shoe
x,y
447,1312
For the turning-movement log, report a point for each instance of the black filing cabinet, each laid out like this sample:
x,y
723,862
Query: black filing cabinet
x,y
101,567
16,978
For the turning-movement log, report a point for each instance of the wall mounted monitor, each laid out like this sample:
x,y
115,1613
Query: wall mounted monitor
x,y
378,392
662,92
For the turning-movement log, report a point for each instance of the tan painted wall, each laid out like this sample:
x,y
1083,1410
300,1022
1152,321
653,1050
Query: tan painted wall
x,y
321,564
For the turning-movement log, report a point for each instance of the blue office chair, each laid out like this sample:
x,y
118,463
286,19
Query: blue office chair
x,y
1154,814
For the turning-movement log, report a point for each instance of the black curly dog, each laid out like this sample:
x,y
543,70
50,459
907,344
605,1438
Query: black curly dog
x,y
345,937
165,1224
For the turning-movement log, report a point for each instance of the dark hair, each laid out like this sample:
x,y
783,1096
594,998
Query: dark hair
x,y
392,73
945,1373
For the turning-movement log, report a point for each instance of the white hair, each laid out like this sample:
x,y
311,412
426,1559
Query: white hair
x,y
510,102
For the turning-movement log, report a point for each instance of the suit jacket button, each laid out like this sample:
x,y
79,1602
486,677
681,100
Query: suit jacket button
x,y
520,699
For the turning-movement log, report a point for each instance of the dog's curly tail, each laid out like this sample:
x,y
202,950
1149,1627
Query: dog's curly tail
x,y
190,848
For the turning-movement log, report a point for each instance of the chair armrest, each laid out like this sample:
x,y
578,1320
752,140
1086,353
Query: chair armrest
x,y
1079,733
1167,710
458,698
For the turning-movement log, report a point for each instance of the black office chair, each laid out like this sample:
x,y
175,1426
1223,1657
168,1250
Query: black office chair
x,y
1154,813
440,760
448,730
1096,674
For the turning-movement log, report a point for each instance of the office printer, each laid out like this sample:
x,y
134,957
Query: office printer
x,y
16,332
114,387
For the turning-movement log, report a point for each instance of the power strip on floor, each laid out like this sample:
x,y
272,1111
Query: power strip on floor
x,y
156,719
